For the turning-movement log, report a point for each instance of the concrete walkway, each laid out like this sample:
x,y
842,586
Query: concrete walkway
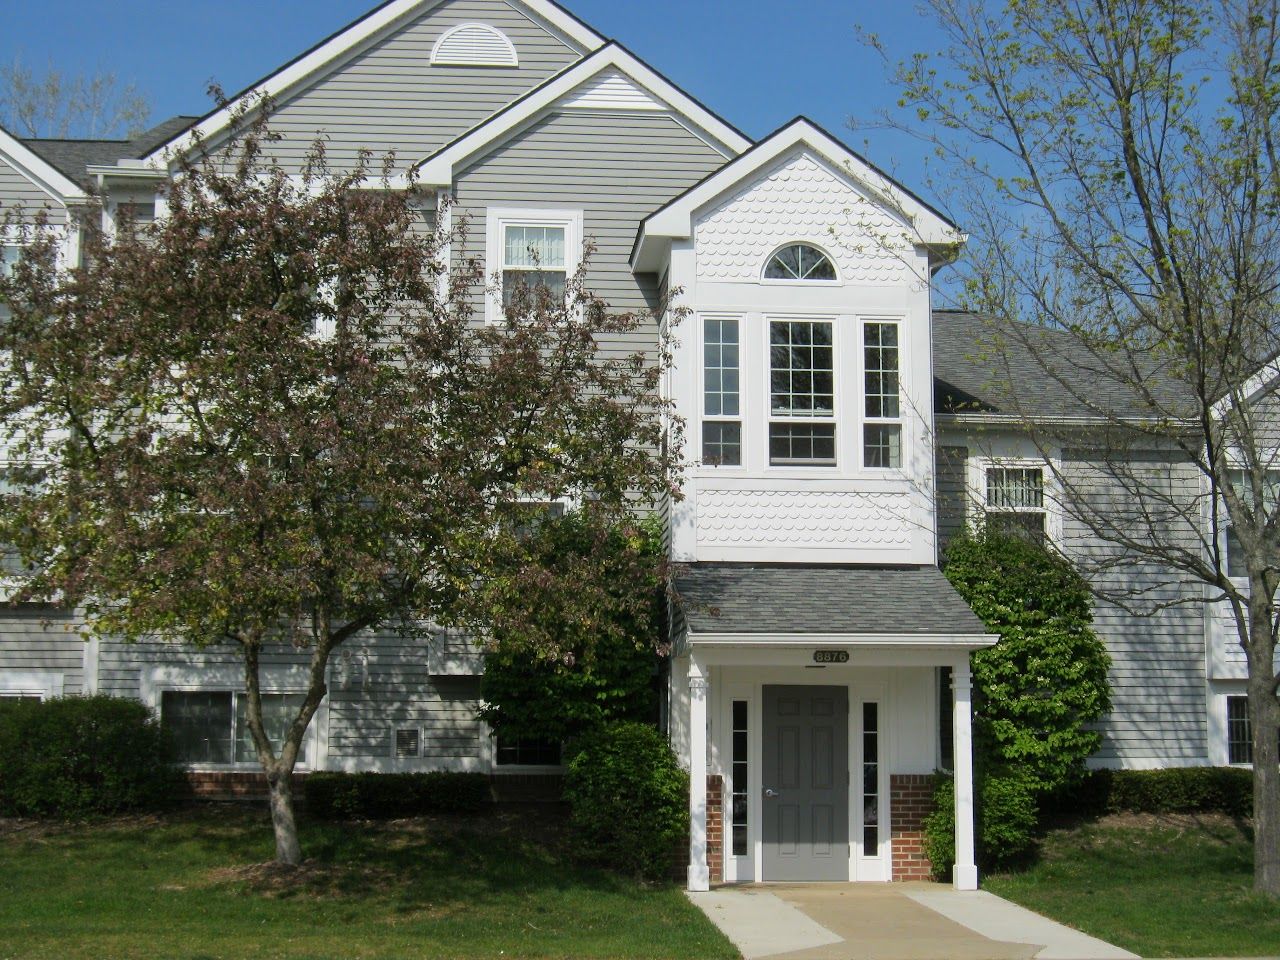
x,y
901,921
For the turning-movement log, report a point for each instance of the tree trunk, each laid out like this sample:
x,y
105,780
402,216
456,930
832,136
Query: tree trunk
x,y
1264,718
280,792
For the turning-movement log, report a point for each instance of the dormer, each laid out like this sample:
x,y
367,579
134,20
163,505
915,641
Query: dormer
x,y
803,369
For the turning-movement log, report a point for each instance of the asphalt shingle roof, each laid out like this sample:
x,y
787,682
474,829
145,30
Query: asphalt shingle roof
x,y
741,598
70,157
1035,372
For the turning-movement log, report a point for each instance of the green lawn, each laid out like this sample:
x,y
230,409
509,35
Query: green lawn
x,y
186,885
1160,886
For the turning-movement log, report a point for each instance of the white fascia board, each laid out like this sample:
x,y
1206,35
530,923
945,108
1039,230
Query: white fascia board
x,y
676,219
1262,382
39,171
438,170
788,641
338,46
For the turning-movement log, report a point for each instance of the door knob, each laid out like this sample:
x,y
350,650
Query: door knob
x,y
770,792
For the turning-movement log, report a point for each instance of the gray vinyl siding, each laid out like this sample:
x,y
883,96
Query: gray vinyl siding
x,y
1158,715
388,97
17,190
376,683
42,639
616,168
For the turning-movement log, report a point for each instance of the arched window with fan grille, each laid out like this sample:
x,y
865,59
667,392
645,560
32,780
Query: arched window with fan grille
x,y
798,262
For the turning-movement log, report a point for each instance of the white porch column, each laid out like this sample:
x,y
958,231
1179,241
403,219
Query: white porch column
x,y
699,874
965,874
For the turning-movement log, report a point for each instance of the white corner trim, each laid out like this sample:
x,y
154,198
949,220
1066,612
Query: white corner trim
x,y
676,219
45,684
438,169
474,45
43,174
363,30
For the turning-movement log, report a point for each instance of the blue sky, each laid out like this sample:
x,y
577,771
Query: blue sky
x,y
756,63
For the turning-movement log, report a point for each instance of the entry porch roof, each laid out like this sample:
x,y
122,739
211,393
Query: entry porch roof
x,y
793,604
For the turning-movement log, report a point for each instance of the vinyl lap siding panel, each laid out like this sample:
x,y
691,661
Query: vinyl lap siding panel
x,y
17,190
390,98
45,641
1158,715
616,167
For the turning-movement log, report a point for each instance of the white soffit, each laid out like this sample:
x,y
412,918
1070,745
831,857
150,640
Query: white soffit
x,y
388,16
676,219
39,171
605,67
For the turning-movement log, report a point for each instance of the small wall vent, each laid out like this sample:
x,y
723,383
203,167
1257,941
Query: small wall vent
x,y
407,742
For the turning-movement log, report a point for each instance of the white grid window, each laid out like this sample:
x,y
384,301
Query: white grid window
x,y
1015,501
721,428
533,255
1236,566
882,431
802,388
10,254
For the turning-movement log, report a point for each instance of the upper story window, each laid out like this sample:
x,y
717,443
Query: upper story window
x,y
1015,501
802,429
882,430
799,261
1236,565
10,254
534,248
721,404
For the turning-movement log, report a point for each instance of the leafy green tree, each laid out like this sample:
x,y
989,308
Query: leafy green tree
x,y
598,670
1117,167
1038,689
271,421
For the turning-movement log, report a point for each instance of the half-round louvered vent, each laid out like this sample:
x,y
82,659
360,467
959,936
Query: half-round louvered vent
x,y
474,45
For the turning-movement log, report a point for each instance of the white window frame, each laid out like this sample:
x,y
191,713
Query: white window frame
x,y
1240,580
741,417
864,421
497,219
977,481
787,282
227,678
837,394
45,684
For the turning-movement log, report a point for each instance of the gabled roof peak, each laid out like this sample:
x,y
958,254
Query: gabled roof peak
x,y
675,220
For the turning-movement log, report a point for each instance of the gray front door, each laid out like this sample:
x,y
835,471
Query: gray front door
x,y
805,771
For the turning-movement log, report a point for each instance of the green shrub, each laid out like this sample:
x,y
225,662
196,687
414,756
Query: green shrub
x,y
1226,790
601,672
1040,687
1005,818
383,796
80,756
629,799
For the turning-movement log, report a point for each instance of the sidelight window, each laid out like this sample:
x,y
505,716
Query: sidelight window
x,y
870,779
741,773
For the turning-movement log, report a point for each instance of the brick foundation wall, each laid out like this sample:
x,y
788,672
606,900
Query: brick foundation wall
x,y
910,801
231,785
715,827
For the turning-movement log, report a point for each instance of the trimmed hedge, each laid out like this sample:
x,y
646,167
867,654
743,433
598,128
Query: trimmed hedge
x,y
383,796
76,757
1226,790
1006,820
629,800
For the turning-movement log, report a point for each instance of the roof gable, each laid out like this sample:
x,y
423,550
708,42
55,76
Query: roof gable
x,y
39,171
314,63
612,77
676,220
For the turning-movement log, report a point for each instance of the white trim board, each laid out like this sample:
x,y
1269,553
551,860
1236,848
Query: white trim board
x,y
439,169
384,18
